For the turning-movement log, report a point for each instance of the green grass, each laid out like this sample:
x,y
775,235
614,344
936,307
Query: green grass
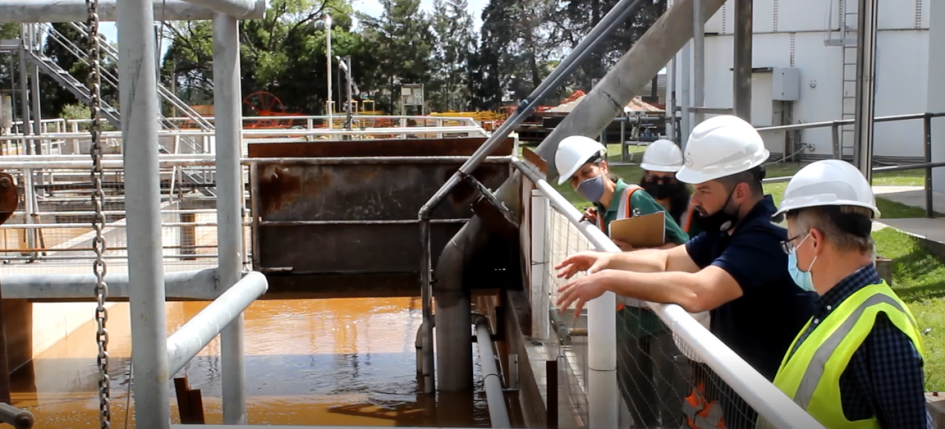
x,y
919,279
889,209
918,276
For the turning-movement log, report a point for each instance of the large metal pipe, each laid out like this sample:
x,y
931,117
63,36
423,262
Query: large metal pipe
x,y
202,328
698,62
199,284
865,87
143,204
647,56
24,86
495,397
226,99
453,345
685,95
35,93
75,11
454,351
741,74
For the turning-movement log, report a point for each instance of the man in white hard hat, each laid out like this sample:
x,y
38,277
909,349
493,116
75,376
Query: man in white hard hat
x,y
858,361
735,269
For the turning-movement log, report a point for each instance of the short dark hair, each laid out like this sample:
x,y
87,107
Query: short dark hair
x,y
752,177
848,227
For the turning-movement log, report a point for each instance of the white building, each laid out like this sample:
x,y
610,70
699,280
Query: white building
x,y
805,37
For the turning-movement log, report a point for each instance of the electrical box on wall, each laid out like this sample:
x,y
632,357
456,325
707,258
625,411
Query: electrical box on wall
x,y
786,84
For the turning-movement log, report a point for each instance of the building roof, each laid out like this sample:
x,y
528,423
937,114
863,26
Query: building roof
x,y
636,105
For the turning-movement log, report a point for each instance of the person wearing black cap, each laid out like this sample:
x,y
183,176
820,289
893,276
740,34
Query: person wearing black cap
x,y
858,361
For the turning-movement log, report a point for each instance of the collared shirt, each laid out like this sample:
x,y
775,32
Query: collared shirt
x,y
884,377
761,324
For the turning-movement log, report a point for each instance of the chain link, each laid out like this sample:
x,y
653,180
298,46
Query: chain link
x,y
98,223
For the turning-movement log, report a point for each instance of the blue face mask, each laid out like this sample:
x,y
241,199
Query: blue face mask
x,y
592,189
803,279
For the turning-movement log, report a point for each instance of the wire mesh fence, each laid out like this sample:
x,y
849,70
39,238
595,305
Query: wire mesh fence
x,y
661,381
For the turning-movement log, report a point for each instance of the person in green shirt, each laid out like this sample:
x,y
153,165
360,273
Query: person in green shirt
x,y
651,380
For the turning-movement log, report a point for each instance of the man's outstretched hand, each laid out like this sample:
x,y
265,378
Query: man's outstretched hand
x,y
581,290
589,261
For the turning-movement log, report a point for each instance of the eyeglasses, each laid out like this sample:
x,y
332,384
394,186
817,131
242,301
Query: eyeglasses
x,y
788,245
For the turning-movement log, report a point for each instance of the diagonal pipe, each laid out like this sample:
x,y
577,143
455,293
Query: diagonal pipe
x,y
461,380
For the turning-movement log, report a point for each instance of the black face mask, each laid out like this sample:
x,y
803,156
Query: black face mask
x,y
659,188
721,220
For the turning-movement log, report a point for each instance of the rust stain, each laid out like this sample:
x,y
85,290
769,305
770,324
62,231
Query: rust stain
x,y
277,187
9,198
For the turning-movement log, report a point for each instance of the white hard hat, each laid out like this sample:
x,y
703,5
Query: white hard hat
x,y
721,146
573,152
704,319
830,182
662,155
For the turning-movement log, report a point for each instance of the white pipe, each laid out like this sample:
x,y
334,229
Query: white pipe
x,y
197,284
229,181
239,9
685,101
76,11
770,402
698,61
495,398
212,320
138,96
601,323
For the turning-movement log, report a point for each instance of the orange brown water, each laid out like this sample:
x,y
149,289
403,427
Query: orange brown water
x,y
314,362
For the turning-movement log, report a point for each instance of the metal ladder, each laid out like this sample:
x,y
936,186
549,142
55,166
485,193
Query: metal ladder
x,y
847,43
81,92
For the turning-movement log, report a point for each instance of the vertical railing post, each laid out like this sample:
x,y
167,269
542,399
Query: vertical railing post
x,y
927,146
29,205
835,140
228,131
139,132
539,265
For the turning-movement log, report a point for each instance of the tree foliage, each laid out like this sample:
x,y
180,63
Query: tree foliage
x,y
516,45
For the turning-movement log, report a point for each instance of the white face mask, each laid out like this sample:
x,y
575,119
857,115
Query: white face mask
x,y
873,256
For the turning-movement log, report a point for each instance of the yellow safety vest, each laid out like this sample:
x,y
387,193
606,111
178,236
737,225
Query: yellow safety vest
x,y
811,376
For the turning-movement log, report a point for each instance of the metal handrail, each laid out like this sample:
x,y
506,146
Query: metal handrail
x,y
777,408
928,165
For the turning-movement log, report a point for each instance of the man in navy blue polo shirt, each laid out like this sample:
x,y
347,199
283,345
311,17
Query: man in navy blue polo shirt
x,y
735,269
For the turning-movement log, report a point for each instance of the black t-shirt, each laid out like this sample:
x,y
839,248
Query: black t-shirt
x,y
763,322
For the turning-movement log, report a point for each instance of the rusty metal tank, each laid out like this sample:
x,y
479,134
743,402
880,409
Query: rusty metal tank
x,y
339,218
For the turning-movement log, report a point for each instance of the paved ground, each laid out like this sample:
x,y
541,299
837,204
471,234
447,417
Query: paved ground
x,y
930,229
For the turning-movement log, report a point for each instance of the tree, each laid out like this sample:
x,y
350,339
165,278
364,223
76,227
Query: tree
x,y
455,43
403,45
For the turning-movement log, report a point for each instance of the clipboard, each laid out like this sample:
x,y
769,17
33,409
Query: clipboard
x,y
641,231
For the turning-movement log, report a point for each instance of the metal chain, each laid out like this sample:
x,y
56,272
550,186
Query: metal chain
x,y
98,223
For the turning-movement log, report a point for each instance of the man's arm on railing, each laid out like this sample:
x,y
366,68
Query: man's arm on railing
x,y
641,261
704,290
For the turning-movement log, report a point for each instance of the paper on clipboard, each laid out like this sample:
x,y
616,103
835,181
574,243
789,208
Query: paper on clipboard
x,y
641,231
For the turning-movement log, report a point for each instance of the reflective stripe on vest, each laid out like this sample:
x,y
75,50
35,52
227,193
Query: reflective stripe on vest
x,y
624,211
811,376
701,414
